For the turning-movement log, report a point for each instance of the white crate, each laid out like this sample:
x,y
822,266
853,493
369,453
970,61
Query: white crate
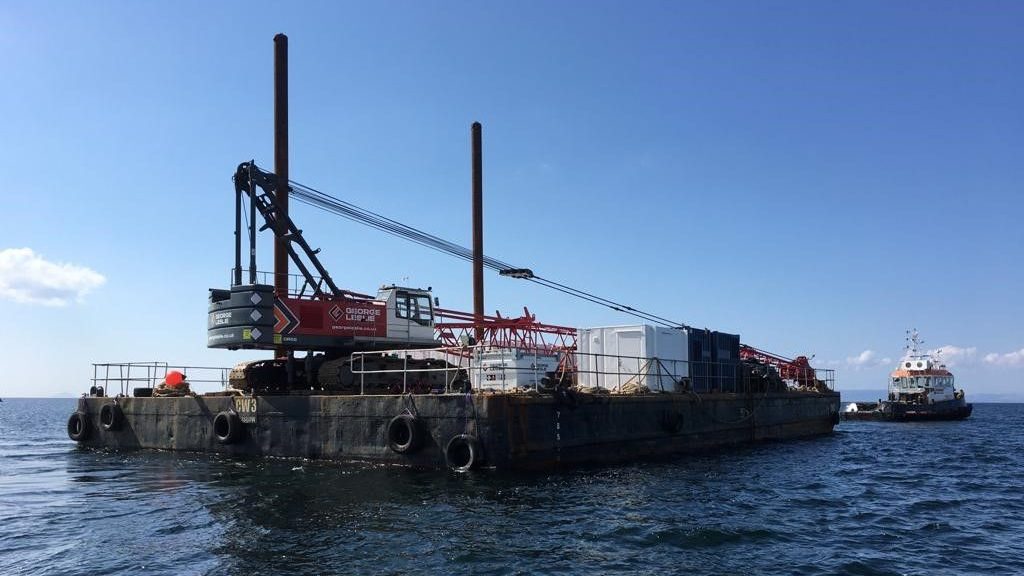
x,y
506,368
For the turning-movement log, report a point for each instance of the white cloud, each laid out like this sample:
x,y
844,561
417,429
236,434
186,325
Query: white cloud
x,y
953,355
1009,359
862,359
27,278
949,354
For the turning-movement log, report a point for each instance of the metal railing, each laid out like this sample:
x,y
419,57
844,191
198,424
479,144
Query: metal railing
x,y
298,286
402,371
488,368
398,376
128,375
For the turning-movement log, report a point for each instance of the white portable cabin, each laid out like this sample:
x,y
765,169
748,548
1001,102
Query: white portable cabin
x,y
611,356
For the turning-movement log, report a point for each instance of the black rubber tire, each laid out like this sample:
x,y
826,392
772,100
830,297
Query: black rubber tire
x,y
463,453
404,433
142,392
111,417
78,426
227,427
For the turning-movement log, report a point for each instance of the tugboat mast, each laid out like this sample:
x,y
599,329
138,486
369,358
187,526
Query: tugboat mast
x,y
913,342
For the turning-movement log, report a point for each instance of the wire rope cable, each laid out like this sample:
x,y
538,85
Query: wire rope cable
x,y
321,200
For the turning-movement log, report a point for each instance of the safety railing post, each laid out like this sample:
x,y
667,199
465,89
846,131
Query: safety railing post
x,y
448,380
479,367
536,380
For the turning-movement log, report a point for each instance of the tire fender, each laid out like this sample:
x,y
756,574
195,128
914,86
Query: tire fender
x,y
78,426
111,417
463,453
404,434
227,427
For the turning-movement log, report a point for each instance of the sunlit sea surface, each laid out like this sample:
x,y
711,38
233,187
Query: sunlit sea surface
x,y
874,498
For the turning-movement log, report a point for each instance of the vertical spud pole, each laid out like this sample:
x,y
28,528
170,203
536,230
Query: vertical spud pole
x,y
478,234
281,167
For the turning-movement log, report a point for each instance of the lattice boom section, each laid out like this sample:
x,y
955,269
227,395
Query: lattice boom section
x,y
455,328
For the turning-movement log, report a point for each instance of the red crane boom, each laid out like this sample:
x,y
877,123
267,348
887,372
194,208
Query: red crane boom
x,y
797,369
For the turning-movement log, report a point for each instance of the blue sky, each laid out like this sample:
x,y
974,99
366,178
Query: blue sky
x,y
818,177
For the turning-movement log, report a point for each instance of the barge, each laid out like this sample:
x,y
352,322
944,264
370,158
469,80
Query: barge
x,y
393,378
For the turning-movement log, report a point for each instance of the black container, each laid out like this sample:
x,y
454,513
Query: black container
x,y
714,360
725,348
725,351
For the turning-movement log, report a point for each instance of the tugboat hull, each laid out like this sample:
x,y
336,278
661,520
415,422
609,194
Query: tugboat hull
x,y
905,412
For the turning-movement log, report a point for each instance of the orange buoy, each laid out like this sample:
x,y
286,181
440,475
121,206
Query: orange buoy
x,y
174,379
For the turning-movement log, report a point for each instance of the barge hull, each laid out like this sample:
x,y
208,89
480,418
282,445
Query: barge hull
x,y
510,431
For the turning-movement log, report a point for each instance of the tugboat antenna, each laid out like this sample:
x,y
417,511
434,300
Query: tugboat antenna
x,y
913,341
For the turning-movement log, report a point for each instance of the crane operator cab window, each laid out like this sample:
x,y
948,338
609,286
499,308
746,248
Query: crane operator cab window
x,y
415,307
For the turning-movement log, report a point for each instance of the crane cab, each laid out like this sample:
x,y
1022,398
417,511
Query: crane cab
x,y
410,314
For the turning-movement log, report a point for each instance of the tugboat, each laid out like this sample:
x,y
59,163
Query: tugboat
x,y
920,388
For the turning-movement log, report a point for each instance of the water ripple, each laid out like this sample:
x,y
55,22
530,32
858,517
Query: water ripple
x,y
873,499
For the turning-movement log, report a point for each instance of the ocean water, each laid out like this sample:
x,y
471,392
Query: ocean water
x,y
874,498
